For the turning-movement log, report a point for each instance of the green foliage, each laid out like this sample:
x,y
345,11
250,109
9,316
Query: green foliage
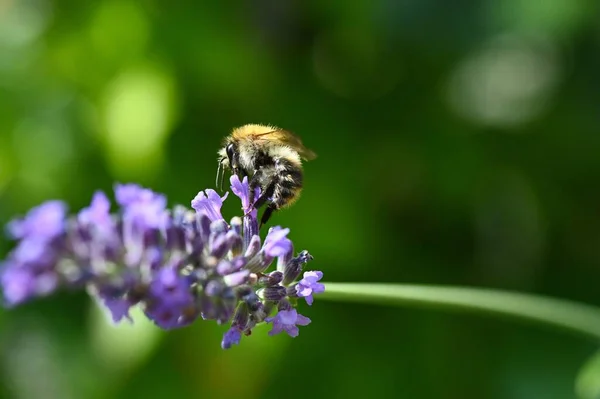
x,y
588,380
458,144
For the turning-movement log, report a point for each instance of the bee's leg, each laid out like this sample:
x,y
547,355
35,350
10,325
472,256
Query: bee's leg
x,y
267,215
265,196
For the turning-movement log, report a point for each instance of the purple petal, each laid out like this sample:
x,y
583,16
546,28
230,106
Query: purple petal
x,y
209,203
242,190
291,330
318,288
129,194
276,234
98,212
276,242
302,320
277,328
126,194
309,285
237,278
16,284
170,304
20,282
33,251
168,278
145,215
43,222
231,337
142,208
303,290
253,247
313,275
118,308
309,299
171,289
287,316
164,316
45,283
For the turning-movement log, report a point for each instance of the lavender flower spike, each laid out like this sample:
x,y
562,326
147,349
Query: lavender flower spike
x,y
178,265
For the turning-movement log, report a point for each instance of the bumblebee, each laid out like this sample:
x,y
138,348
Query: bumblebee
x,y
271,158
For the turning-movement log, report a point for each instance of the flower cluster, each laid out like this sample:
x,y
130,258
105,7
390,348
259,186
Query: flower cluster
x,y
177,264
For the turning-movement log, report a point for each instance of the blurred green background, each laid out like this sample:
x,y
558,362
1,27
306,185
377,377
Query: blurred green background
x,y
458,144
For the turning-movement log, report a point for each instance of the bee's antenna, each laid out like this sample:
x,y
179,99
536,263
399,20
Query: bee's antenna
x,y
220,175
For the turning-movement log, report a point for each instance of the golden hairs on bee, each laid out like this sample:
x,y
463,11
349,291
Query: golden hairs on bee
x,y
271,158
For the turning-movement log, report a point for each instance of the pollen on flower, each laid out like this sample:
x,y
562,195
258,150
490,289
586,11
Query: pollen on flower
x,y
178,265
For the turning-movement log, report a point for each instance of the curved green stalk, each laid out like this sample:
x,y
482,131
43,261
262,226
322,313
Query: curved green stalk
x,y
575,317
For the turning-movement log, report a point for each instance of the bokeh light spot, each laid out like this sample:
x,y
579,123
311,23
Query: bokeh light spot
x,y
22,21
507,83
138,113
587,384
34,353
124,346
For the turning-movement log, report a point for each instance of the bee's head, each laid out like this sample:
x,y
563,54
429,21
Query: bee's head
x,y
228,158
228,155
231,152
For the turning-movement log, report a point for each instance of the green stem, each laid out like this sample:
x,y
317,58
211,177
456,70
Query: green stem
x,y
575,317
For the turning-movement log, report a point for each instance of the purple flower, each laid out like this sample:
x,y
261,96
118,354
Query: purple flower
x,y
237,278
142,208
19,284
242,190
131,194
177,265
30,269
42,223
98,213
232,336
309,286
16,284
287,320
169,298
97,217
143,215
34,254
276,243
118,308
209,203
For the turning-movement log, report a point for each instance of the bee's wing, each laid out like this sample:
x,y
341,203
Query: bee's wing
x,y
289,139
